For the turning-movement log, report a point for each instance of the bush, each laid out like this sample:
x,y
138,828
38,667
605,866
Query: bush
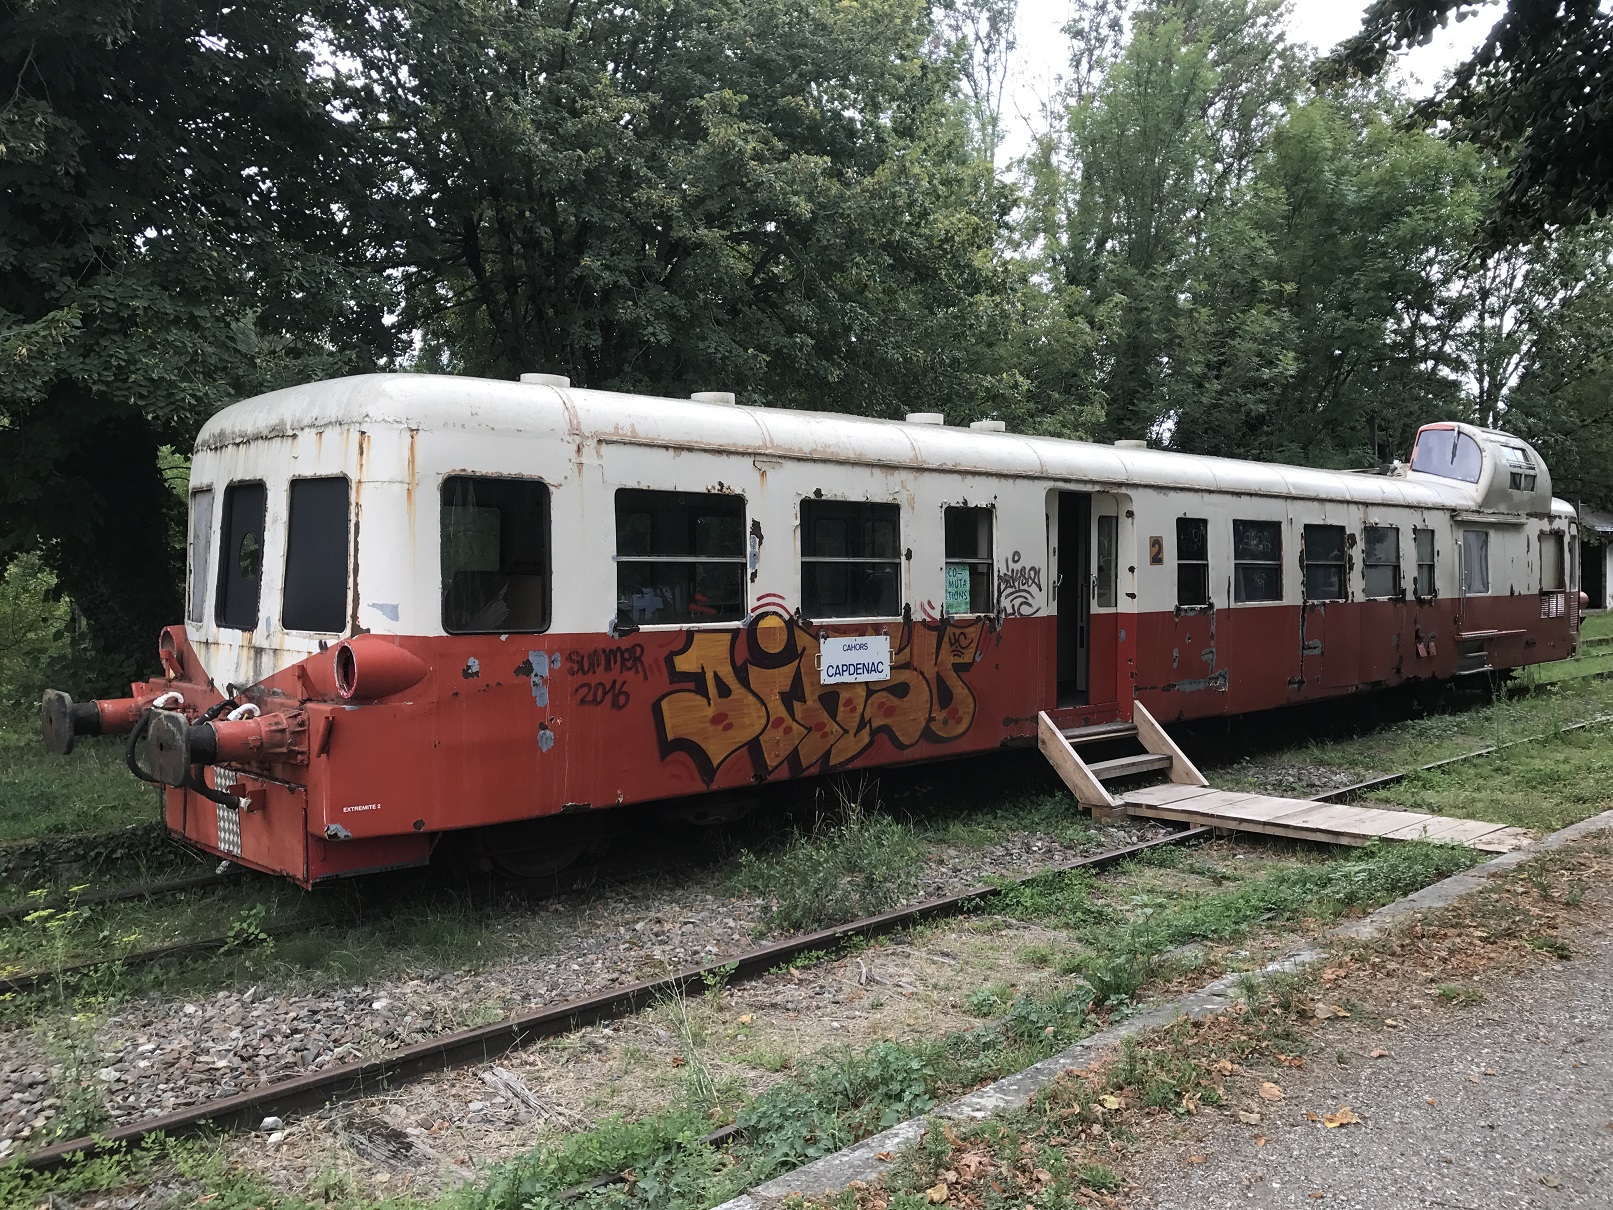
x,y
858,864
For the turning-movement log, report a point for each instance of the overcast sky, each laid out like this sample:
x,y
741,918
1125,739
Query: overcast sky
x,y
1042,51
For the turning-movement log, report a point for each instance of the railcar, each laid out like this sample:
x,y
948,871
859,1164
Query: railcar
x,y
418,605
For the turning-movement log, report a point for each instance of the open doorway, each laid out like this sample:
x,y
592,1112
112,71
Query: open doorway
x,y
1072,563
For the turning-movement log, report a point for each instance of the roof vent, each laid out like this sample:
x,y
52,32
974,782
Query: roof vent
x,y
926,418
546,380
726,397
1131,443
988,426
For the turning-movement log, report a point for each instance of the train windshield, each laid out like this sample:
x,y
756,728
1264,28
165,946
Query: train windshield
x,y
1448,453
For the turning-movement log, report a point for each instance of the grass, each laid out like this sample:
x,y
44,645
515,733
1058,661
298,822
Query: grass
x,y
855,862
50,796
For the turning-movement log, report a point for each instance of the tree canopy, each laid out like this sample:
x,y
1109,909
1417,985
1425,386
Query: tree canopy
x,y
804,201
1538,93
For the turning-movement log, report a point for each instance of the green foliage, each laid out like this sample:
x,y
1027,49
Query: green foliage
x,y
1537,90
858,865
166,245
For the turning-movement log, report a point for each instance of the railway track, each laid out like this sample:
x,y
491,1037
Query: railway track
x,y
480,1044
33,981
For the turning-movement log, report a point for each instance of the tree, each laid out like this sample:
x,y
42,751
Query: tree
x,y
178,210
1538,94
775,198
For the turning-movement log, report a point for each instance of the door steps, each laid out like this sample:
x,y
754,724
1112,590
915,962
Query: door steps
x,y
1086,780
1189,798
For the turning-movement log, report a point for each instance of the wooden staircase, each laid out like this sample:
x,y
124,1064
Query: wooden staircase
x,y
1086,778
1190,799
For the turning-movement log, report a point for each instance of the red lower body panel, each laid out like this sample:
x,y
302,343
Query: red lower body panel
x,y
507,728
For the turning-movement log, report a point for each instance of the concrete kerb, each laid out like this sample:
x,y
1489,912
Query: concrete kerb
x,y
860,1162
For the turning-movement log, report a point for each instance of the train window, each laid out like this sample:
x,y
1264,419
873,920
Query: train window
x,y
1551,563
495,555
1192,562
680,557
315,593
1324,563
1447,453
1475,561
201,549
1108,557
851,559
1381,559
1257,561
1424,585
969,561
240,555
1520,468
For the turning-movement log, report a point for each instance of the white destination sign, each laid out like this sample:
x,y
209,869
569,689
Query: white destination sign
x,y
865,658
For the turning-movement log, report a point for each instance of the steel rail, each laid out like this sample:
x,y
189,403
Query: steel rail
x,y
367,1076
1390,779
56,903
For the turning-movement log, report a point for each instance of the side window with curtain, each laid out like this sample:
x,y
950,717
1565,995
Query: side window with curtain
x,y
201,551
240,555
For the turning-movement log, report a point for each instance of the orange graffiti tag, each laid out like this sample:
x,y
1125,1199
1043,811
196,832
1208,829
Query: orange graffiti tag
x,y
717,715
758,690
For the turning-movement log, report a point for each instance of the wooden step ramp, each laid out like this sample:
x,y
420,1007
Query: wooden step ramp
x,y
1188,797
1303,819
1086,779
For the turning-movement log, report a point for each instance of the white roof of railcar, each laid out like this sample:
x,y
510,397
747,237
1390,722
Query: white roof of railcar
x,y
432,402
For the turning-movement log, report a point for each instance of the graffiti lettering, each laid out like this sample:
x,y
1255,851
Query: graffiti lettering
x,y
608,660
717,714
614,694
758,691
1019,588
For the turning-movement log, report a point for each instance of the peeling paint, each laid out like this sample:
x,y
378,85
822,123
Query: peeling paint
x,y
539,677
472,669
545,737
386,609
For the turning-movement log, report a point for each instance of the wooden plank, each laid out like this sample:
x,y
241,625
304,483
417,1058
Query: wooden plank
x,y
1256,825
1454,831
1376,822
1503,841
1332,817
1155,739
1460,831
1129,766
1259,806
1072,770
1161,795
1099,733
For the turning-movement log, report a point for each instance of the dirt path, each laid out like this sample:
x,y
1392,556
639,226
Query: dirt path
x,y
1469,1104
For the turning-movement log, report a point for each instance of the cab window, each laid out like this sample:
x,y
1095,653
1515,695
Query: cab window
x,y
240,555
495,555
315,594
